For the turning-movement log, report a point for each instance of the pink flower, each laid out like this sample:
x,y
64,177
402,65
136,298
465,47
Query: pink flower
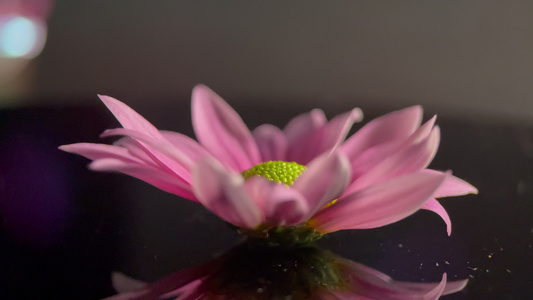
x,y
280,273
302,176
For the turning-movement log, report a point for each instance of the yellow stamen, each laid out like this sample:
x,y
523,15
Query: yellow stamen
x,y
278,171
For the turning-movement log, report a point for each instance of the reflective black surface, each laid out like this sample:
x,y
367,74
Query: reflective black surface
x,y
65,229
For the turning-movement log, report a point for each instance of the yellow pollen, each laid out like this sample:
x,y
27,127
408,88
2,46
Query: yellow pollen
x,y
278,171
330,204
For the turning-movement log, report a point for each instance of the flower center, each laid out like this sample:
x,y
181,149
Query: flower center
x,y
278,171
271,234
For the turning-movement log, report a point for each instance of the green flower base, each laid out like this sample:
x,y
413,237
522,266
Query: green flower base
x,y
292,236
254,272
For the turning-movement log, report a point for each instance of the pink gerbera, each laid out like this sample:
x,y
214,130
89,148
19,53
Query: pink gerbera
x,y
302,178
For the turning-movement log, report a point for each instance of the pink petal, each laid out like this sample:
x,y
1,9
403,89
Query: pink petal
x,y
197,293
304,124
309,135
454,286
179,279
271,142
135,149
156,177
393,126
436,292
369,283
408,159
289,208
373,156
324,180
453,186
449,286
303,132
220,130
187,145
421,133
434,206
99,151
185,291
334,132
182,162
131,120
170,283
223,192
280,204
380,204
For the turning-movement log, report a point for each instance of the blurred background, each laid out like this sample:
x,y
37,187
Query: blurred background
x,y
460,57
65,229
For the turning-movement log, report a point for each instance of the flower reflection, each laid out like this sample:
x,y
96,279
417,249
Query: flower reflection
x,y
251,271
303,179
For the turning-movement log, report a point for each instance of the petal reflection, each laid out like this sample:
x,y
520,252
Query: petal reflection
x,y
252,271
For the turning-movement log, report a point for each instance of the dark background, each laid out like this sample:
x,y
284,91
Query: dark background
x,y
64,229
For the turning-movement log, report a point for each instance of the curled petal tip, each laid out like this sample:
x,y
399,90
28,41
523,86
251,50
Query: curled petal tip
x,y
473,190
357,114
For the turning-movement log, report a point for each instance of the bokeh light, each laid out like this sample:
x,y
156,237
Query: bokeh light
x,y
21,36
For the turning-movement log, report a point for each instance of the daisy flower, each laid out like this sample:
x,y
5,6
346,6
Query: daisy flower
x,y
300,181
